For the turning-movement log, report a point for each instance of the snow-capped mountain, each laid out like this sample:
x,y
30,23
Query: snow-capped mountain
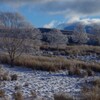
x,y
72,26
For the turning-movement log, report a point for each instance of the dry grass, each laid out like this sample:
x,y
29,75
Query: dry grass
x,y
90,72
62,97
18,96
33,94
5,76
82,49
2,93
96,82
51,63
91,93
74,49
78,71
74,71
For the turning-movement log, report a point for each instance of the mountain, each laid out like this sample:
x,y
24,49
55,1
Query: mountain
x,y
72,26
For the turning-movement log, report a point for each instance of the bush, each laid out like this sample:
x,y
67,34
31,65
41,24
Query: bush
x,y
62,97
17,87
74,71
96,82
14,77
18,96
33,94
5,77
84,73
2,93
90,72
91,93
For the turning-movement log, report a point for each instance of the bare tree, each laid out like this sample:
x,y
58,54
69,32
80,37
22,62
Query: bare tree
x,y
13,40
80,36
56,38
34,40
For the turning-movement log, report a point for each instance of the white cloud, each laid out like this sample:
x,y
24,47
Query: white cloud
x,y
85,21
76,20
52,24
73,19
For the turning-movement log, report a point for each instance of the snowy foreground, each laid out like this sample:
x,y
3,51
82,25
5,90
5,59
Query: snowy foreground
x,y
45,84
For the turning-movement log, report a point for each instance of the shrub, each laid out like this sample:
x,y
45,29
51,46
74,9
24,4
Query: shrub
x,y
74,71
5,77
14,77
62,97
84,73
18,96
91,93
33,94
17,87
96,82
2,93
90,72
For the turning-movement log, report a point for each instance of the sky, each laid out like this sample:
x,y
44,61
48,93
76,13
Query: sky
x,y
51,13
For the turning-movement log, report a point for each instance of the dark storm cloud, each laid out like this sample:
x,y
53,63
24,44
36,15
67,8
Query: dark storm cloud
x,y
70,7
84,7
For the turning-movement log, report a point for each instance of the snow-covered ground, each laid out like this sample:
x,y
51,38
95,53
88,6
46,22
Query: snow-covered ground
x,y
45,84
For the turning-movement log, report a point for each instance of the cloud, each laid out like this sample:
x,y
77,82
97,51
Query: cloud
x,y
85,21
52,24
62,7
72,22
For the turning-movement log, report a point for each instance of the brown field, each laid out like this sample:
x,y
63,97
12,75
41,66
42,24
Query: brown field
x,y
74,49
50,63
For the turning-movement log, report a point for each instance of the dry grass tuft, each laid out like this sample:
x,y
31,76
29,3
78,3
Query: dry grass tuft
x,y
90,72
2,93
18,96
91,93
5,76
33,94
74,71
96,82
62,97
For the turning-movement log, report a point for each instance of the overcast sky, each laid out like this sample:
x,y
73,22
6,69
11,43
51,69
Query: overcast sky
x,y
49,13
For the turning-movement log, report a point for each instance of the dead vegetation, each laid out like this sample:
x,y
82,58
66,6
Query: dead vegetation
x,y
93,92
5,76
52,63
62,97
2,93
74,49
18,95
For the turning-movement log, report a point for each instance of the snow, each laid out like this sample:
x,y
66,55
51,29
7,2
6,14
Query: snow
x,y
45,84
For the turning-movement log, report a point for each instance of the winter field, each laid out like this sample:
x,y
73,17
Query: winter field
x,y
42,85
51,78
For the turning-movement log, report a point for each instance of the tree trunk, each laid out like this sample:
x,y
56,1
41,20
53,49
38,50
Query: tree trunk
x,y
12,62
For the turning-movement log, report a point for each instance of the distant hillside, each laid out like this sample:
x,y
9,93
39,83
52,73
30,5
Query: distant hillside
x,y
72,26
67,32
